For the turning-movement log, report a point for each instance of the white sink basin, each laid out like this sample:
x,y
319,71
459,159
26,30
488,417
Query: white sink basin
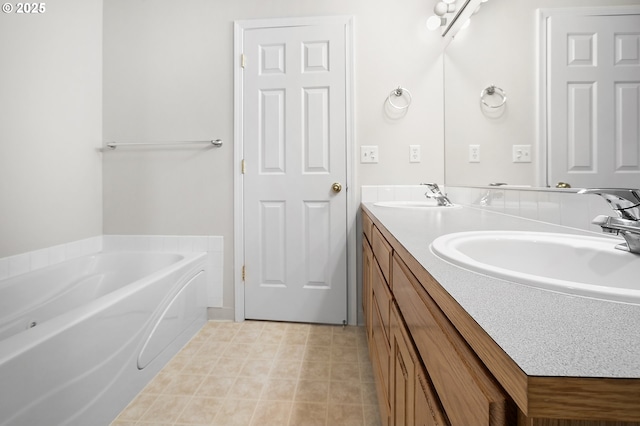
x,y
573,264
412,204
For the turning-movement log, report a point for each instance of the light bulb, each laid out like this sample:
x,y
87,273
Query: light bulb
x,y
442,8
435,22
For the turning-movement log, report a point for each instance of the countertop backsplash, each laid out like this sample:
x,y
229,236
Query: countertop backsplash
x,y
556,206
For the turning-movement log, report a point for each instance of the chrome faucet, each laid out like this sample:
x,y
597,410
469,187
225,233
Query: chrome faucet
x,y
435,193
488,196
626,204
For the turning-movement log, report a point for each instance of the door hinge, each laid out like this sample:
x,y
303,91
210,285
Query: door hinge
x,y
243,272
243,167
243,60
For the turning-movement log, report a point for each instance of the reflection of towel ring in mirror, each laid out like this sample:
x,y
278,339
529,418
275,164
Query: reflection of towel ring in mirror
x,y
493,90
400,92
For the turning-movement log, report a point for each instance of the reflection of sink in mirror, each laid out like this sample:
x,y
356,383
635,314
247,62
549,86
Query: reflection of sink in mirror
x,y
412,204
572,264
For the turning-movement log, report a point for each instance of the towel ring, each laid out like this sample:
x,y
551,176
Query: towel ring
x,y
493,90
399,92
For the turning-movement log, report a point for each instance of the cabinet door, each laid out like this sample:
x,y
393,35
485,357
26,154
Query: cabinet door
x,y
402,375
413,400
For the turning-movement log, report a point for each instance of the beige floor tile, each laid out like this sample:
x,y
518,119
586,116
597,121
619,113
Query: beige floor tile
x,y
285,369
159,383
227,367
308,414
372,415
271,336
272,413
184,384
247,336
238,350
200,365
345,415
264,350
235,413
279,390
369,394
216,387
222,335
366,372
177,363
200,411
246,388
291,352
318,353
295,338
315,371
312,391
320,339
259,368
166,408
345,393
345,371
343,354
136,409
344,339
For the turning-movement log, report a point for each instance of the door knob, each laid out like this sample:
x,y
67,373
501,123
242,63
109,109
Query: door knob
x,y
336,187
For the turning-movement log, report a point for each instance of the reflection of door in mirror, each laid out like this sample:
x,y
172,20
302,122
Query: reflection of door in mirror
x,y
593,99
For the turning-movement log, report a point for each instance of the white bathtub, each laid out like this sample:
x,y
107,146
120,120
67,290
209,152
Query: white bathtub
x,y
80,339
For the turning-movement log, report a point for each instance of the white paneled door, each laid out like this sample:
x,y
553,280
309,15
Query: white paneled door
x,y
593,112
294,181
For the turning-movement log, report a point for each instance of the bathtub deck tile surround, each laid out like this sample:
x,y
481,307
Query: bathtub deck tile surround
x,y
262,373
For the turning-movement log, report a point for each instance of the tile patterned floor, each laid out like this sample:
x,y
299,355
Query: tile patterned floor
x,y
262,373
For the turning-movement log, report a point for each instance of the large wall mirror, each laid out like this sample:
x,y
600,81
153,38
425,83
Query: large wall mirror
x,y
500,126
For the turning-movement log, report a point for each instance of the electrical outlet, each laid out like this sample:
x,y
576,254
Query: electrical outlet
x,y
521,153
369,154
474,153
414,153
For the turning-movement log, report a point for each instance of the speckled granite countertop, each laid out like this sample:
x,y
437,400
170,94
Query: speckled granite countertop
x,y
545,333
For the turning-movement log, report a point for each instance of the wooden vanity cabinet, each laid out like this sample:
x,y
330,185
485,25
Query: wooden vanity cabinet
x,y
434,365
407,392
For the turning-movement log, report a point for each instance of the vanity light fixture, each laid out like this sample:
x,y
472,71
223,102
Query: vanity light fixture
x,y
452,16
441,9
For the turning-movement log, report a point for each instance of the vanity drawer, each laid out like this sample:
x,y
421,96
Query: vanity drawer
x,y
382,251
367,225
469,395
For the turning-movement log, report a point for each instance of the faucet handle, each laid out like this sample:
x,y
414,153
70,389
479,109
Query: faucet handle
x,y
618,198
433,187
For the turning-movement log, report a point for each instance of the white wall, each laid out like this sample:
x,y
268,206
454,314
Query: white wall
x,y
50,126
168,75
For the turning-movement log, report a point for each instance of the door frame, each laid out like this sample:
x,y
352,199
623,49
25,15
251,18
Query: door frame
x,y
238,181
542,172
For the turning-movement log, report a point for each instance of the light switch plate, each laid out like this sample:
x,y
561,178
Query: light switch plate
x,y
369,154
521,153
